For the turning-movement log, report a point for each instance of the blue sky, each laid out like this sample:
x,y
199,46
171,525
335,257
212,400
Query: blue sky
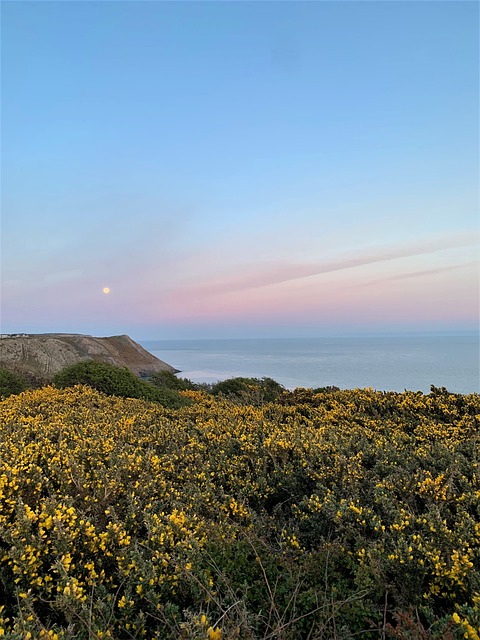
x,y
238,169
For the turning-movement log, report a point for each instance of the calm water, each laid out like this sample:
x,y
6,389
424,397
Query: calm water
x,y
387,364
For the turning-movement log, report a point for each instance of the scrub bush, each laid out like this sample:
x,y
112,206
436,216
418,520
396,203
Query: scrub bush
x,y
11,383
254,391
116,381
168,380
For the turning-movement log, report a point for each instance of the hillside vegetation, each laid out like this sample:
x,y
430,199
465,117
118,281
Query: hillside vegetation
x,y
331,515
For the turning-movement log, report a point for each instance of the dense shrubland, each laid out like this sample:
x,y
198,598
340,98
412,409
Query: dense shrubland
x,y
329,515
116,381
162,386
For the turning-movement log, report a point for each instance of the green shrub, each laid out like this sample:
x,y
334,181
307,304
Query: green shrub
x,y
254,391
11,383
329,389
168,380
116,381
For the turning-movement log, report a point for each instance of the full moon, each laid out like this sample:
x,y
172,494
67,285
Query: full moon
x,y
106,290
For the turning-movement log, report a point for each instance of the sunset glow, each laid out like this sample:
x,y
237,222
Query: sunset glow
x,y
223,189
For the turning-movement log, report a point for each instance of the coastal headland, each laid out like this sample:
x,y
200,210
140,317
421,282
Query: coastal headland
x,y
48,353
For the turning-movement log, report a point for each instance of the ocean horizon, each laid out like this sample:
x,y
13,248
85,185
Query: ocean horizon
x,y
383,363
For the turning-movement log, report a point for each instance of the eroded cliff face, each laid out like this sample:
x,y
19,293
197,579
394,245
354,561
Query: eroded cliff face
x,y
46,354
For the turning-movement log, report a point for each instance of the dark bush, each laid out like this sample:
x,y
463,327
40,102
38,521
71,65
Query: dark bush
x,y
11,383
30,379
168,380
116,381
249,390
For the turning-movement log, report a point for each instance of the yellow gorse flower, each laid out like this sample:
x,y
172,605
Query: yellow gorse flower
x,y
115,510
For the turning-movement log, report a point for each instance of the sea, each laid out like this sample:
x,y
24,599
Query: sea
x,y
381,363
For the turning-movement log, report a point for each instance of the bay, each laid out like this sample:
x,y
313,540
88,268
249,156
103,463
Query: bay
x,y
382,363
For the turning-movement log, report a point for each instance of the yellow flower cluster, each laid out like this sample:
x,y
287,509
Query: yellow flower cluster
x,y
119,518
470,632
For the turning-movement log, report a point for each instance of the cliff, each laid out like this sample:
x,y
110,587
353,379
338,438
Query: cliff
x,y
46,354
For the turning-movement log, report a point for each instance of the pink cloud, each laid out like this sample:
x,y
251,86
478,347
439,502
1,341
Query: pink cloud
x,y
262,275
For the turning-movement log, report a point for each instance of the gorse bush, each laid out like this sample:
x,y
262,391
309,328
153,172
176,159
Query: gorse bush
x,y
254,391
15,379
103,377
168,380
353,514
116,381
11,383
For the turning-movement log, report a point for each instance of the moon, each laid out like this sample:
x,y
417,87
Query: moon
x,y
106,290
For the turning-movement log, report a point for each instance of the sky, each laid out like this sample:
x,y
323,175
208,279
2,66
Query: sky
x,y
240,169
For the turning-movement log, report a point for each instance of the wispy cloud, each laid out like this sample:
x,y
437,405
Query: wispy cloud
x,y
424,272
262,275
